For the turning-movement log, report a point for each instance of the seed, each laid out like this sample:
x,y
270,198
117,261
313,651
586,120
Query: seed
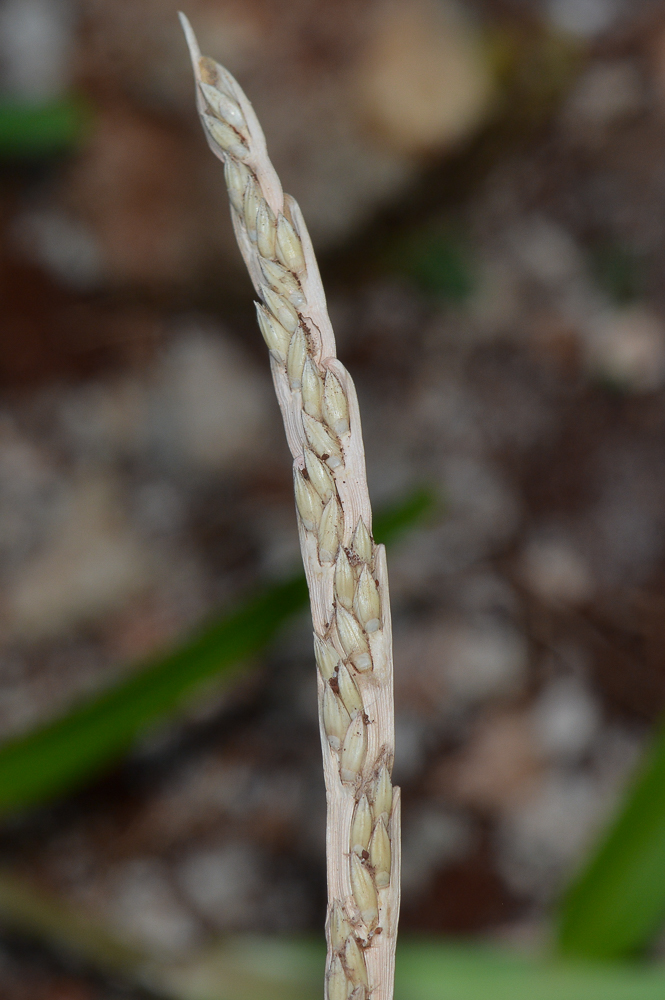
x,y
274,334
379,855
289,247
348,691
326,656
236,176
281,308
283,281
319,476
312,389
361,827
382,796
321,441
362,542
354,748
360,992
337,983
354,961
366,603
308,501
250,206
265,229
335,718
296,357
330,529
226,138
353,640
335,405
364,892
224,107
345,582
339,927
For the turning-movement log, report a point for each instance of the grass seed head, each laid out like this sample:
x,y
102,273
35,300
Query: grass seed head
x,y
327,657
362,542
274,334
337,984
379,855
250,207
289,247
224,107
312,389
345,581
319,476
335,405
265,229
338,926
225,137
366,603
353,640
321,441
296,357
281,308
330,530
308,501
354,960
364,892
361,827
348,691
335,718
382,796
354,749
236,176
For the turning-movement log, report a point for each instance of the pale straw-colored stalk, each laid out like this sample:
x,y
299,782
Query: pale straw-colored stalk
x,y
346,570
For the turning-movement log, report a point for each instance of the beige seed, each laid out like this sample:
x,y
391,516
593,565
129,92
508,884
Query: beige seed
x,y
281,308
345,582
319,476
283,281
366,603
296,357
330,530
274,334
308,501
335,718
335,405
224,107
289,247
354,748
364,892
382,796
321,441
312,389
250,208
339,927
226,138
236,176
353,639
337,983
326,656
379,855
361,827
354,960
265,229
362,542
348,691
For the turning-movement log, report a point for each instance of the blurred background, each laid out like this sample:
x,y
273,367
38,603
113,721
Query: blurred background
x,y
484,182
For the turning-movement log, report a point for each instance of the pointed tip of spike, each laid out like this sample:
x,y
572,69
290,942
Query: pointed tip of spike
x,y
192,44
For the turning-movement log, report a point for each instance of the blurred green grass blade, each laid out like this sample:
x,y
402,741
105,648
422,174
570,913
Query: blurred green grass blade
x,y
259,968
60,754
29,130
617,904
